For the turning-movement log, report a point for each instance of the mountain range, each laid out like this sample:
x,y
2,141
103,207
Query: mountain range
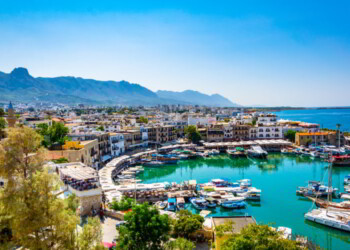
x,y
19,85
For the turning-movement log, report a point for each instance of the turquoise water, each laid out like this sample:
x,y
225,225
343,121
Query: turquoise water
x,y
327,118
278,178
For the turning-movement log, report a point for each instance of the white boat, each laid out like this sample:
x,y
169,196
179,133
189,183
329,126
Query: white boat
x,y
161,204
154,163
333,219
257,152
252,194
286,232
245,183
125,176
345,196
213,152
329,217
347,180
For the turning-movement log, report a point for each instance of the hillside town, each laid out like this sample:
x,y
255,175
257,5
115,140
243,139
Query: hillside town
x,y
97,135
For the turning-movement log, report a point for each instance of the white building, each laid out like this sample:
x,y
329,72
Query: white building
x,y
116,141
267,119
266,132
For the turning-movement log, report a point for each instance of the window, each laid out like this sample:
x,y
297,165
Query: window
x,y
267,130
267,135
261,135
261,130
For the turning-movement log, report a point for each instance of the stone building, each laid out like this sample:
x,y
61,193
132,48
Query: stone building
x,y
11,116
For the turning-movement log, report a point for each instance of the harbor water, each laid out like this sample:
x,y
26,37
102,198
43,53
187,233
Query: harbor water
x,y
278,177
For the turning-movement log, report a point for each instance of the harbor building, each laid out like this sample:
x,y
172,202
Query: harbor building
x,y
317,138
83,181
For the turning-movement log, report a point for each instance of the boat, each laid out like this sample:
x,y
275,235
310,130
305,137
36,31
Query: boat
x,y
211,202
328,216
316,189
180,203
245,183
237,153
219,183
347,180
286,232
125,176
257,152
232,203
171,204
153,163
199,203
332,219
161,205
345,196
252,194
341,206
213,152
341,160
231,151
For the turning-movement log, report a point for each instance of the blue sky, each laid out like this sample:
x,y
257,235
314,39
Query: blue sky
x,y
252,52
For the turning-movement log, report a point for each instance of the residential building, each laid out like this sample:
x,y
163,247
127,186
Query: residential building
x,y
216,133
266,132
116,141
86,152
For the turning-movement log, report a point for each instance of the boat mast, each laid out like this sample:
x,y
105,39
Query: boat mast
x,y
329,197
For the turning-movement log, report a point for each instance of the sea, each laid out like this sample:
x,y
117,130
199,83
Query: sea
x,y
327,118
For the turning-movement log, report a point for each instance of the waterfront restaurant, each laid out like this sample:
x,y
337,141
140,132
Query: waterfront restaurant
x,y
83,181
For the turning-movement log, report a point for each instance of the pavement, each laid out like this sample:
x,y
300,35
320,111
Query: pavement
x,y
108,228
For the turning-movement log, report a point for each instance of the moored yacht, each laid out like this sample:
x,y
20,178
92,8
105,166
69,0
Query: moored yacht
x,y
257,152
329,218
233,203
199,203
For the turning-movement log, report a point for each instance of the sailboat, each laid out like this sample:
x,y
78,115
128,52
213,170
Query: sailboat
x,y
329,217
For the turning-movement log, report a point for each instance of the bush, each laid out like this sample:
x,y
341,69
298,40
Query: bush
x,y
123,205
187,223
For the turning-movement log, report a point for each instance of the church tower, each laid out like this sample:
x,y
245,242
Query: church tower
x,y
11,118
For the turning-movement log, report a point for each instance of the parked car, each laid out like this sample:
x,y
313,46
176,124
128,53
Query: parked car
x,y
119,223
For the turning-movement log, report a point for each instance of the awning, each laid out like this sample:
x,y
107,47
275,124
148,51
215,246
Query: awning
x,y
106,158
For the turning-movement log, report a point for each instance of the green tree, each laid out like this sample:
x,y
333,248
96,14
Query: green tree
x,y
2,126
31,213
179,244
72,203
145,228
258,237
143,119
56,133
28,198
192,134
2,112
100,128
290,135
91,236
187,223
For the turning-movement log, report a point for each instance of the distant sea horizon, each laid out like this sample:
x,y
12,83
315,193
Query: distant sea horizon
x,y
326,117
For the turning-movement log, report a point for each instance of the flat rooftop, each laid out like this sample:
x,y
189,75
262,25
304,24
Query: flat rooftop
x,y
79,171
239,222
